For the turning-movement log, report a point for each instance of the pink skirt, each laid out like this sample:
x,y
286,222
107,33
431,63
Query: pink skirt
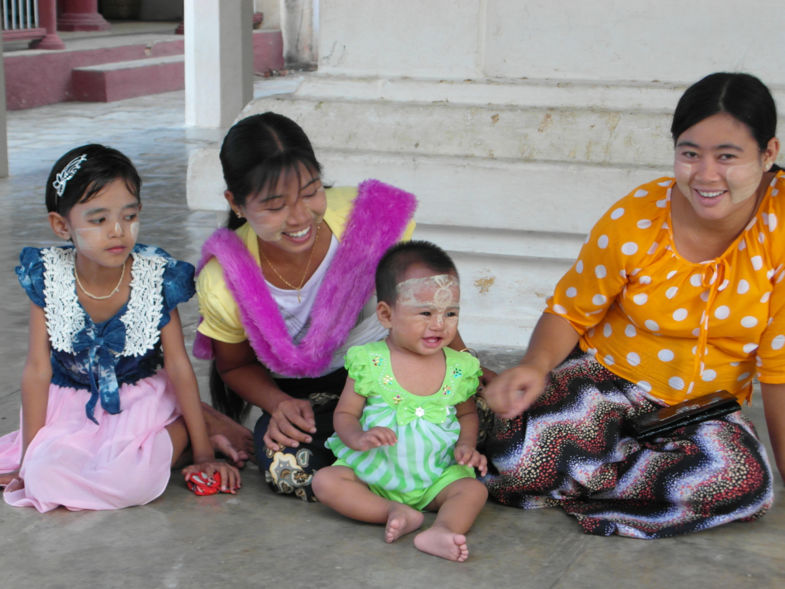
x,y
125,460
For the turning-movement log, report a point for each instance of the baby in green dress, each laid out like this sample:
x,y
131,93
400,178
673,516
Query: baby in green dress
x,y
406,424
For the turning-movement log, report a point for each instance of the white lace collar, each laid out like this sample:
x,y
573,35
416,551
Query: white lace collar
x,y
65,317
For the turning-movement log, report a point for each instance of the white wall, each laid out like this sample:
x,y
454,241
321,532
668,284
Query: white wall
x,y
433,38
667,40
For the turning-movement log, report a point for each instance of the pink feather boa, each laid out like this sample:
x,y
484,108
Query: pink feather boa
x,y
378,219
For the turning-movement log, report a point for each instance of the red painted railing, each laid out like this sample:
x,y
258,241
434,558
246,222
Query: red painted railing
x,y
33,20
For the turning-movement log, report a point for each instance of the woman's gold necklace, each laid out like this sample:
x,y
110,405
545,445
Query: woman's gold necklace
x,y
305,273
103,297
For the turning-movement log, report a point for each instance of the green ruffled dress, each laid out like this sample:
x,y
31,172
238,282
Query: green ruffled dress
x,y
421,463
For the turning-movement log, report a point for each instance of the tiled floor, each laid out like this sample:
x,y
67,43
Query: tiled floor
x,y
257,539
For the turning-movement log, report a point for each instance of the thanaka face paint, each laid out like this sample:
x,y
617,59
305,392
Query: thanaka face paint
x,y
286,216
744,180
105,228
424,318
439,292
84,236
718,167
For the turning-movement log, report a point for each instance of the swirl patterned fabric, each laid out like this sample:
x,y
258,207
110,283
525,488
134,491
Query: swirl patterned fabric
x,y
571,450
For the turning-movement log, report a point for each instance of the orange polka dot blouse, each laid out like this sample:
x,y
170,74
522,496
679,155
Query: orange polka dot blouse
x,y
675,328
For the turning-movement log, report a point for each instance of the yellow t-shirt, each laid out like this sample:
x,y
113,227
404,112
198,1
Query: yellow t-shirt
x,y
220,313
680,329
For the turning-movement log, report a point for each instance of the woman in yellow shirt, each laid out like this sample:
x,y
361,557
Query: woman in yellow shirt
x,y
677,292
287,287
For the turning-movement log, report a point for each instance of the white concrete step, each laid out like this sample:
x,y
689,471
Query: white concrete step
x,y
528,132
494,194
477,192
546,121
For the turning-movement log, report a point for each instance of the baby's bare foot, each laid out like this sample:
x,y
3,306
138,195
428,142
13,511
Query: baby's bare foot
x,y
444,543
401,520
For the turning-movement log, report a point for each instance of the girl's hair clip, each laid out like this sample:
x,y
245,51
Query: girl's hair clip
x,y
69,171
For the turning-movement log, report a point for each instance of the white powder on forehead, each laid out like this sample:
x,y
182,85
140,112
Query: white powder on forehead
x,y
440,291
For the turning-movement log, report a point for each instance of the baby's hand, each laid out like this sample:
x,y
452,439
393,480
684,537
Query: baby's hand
x,y
375,437
230,476
469,456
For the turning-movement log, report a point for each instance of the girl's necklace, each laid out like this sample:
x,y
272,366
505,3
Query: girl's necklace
x,y
305,273
96,297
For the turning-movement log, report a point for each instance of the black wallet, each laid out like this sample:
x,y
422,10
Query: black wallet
x,y
663,421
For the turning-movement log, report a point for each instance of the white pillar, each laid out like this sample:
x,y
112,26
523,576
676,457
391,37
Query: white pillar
x,y
299,27
218,60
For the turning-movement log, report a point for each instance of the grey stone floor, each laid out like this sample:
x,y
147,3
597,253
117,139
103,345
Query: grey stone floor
x,y
257,539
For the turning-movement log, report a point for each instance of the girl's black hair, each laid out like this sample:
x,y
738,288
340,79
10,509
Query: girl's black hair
x,y
398,259
257,150
91,168
742,96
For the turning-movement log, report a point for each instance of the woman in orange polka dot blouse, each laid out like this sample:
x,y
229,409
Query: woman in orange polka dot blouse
x,y
678,291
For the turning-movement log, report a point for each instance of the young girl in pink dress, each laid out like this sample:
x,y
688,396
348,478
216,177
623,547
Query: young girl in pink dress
x,y
109,398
